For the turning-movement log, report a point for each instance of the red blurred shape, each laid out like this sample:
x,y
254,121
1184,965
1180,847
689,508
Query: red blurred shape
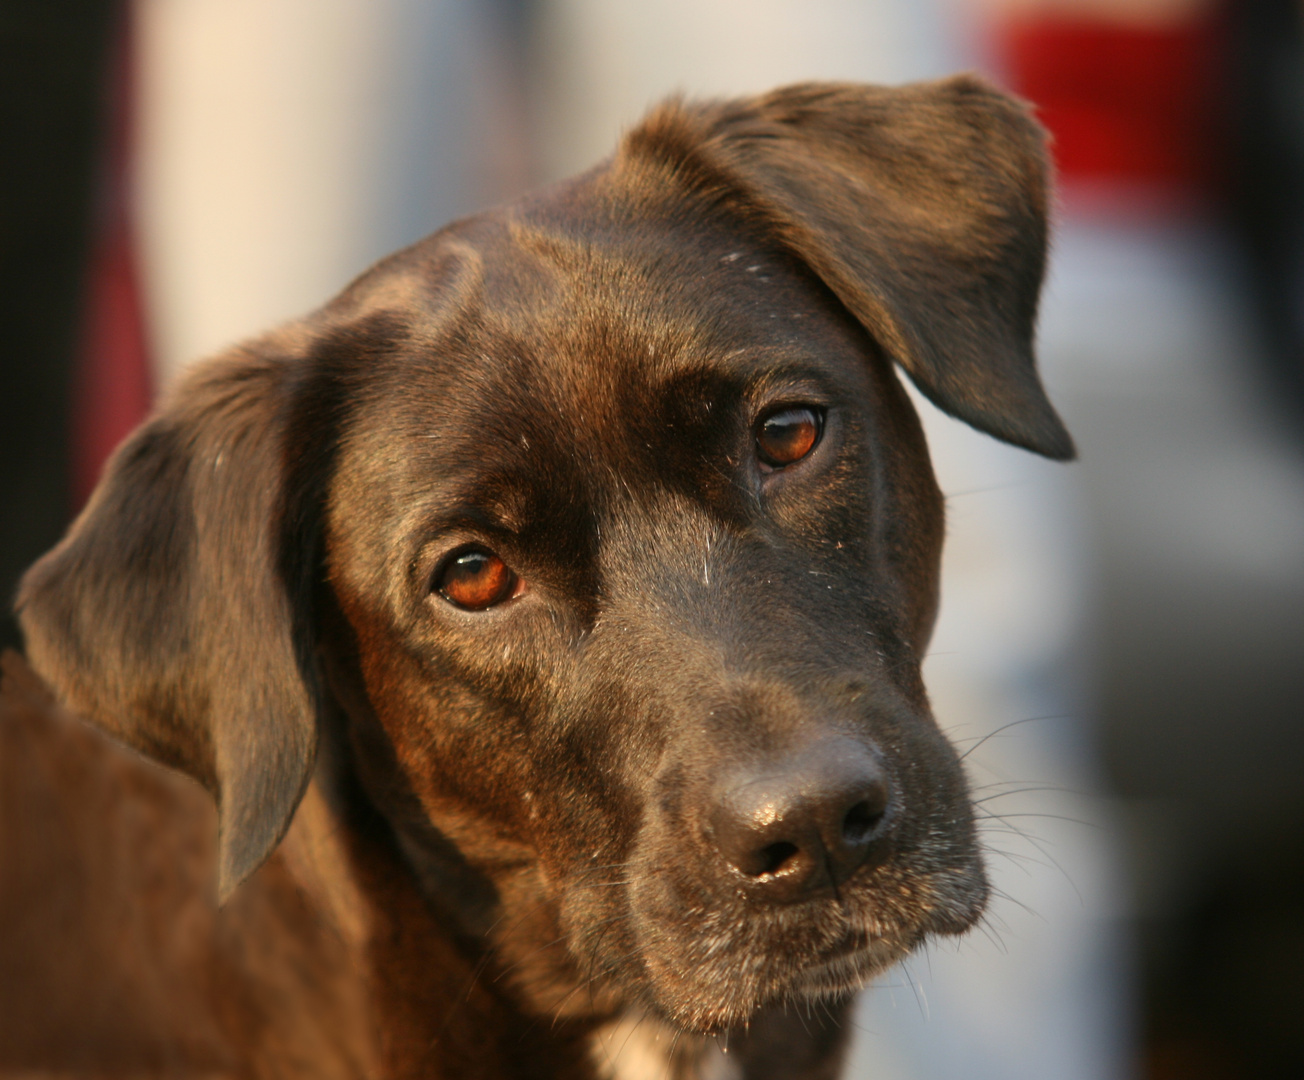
x,y
1125,102
111,390
111,380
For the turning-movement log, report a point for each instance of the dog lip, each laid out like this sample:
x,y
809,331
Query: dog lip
x,y
842,968
850,967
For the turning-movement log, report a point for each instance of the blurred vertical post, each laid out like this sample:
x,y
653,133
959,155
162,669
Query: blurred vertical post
x,y
53,60
112,385
284,145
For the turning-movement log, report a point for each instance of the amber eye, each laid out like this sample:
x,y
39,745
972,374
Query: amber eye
x,y
475,579
788,435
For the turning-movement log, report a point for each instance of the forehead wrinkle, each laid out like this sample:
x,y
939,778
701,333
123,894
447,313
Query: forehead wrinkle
x,y
640,296
634,279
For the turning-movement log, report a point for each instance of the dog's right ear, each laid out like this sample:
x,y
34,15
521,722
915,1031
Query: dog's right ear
x,y
164,615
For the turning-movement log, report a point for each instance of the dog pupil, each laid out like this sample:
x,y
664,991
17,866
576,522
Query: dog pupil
x,y
472,564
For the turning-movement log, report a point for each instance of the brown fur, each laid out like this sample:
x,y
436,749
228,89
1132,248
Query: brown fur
x,y
493,843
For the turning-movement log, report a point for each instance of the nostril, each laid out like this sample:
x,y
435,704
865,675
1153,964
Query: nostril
x,y
775,856
860,822
805,824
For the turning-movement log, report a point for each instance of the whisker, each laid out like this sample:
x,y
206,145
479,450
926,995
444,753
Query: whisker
x,y
1026,791
1016,858
674,1045
637,1024
1035,841
988,931
1049,817
1017,903
1011,724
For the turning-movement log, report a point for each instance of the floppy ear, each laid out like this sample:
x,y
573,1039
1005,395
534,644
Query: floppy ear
x,y
922,207
164,615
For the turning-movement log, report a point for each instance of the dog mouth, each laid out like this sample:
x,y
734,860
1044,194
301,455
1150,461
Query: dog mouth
x,y
692,915
701,952
727,966
848,970
729,994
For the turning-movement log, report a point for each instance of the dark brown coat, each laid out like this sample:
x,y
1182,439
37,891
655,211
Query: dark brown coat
x,y
680,773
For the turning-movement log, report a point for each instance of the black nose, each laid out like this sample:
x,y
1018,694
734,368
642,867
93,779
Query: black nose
x,y
800,827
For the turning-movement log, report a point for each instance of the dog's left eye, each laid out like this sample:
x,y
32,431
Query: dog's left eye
x,y
785,436
475,579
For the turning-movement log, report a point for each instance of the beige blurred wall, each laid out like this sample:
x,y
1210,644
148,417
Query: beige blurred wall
x,y
284,145
601,64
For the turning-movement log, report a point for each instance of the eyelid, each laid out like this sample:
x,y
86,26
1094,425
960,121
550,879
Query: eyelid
x,y
436,536
789,384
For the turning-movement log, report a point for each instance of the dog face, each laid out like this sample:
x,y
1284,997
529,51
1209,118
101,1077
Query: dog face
x,y
599,538
678,624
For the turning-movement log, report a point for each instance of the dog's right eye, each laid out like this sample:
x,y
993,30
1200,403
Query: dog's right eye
x,y
475,579
785,436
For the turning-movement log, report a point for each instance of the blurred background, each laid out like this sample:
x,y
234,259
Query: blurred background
x,y
1121,647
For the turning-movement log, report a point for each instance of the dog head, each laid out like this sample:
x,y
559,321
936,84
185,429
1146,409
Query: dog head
x,y
603,528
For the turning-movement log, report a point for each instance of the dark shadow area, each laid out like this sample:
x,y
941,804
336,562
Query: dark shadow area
x,y
53,60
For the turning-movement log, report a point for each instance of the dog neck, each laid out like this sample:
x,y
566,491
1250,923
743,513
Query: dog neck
x,y
429,1005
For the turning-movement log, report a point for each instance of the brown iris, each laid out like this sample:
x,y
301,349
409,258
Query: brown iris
x,y
475,579
788,435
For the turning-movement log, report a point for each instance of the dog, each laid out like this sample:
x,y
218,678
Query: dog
x,y
544,614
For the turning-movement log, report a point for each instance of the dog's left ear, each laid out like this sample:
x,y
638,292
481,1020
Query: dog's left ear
x,y
922,207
